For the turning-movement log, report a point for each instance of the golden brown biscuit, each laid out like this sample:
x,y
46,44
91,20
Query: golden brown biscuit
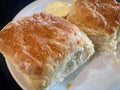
x,y
99,19
44,49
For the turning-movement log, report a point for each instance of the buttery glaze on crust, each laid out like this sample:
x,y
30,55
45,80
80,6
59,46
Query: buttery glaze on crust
x,y
100,15
38,44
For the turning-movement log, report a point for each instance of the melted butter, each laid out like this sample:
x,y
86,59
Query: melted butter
x,y
58,8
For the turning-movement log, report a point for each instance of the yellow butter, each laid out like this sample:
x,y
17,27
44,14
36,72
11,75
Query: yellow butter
x,y
58,8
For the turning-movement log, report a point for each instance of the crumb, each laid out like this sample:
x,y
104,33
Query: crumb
x,y
93,75
117,62
69,85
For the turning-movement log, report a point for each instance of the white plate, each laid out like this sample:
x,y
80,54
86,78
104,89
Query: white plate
x,y
101,73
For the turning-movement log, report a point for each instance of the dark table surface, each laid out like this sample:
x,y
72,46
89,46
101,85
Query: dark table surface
x,y
8,10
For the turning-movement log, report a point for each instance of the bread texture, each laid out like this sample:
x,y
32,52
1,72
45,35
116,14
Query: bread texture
x,y
99,19
44,49
118,35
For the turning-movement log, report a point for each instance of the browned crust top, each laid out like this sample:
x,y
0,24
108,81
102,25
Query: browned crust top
x,y
102,14
38,43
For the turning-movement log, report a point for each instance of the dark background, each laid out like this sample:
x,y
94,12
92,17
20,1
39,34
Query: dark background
x,y
8,10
